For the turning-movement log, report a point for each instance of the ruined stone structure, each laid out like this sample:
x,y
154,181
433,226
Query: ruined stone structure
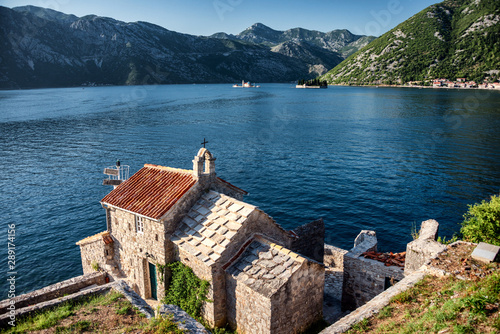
x,y
365,278
259,281
425,247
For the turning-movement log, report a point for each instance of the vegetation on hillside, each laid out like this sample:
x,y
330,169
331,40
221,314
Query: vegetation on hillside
x,y
109,313
440,305
482,222
452,39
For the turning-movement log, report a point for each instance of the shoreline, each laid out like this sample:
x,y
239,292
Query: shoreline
x,y
415,86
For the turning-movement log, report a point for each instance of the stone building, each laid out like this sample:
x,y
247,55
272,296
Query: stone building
x,y
258,281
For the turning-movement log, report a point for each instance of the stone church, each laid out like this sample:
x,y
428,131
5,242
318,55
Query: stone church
x,y
263,279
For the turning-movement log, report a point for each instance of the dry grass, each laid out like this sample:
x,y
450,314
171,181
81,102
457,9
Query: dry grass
x,y
440,305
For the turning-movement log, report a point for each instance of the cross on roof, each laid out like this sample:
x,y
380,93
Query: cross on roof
x,y
204,142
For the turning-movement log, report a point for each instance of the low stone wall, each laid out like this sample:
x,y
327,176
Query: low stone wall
x,y
184,321
134,298
119,286
374,305
53,291
22,312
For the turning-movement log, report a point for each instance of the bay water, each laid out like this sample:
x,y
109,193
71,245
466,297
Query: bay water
x,y
382,159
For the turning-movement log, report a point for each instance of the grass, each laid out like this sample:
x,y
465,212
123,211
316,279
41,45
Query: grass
x,y
111,312
440,304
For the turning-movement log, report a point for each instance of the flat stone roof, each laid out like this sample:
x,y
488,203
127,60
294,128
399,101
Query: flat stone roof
x,y
265,267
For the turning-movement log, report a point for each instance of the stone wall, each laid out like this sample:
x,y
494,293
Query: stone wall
x,y
184,321
299,303
334,278
133,251
211,312
375,305
311,240
94,251
53,291
365,278
62,292
248,310
334,257
421,250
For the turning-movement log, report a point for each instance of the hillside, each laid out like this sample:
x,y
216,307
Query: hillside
x,y
455,38
44,48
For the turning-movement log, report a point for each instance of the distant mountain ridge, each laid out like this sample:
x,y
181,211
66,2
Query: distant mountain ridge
x,y
452,39
44,48
341,41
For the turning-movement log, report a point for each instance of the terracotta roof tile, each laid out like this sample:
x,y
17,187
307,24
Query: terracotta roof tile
x,y
152,191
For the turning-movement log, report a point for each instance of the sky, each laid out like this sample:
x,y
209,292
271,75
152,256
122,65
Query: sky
x,y
206,17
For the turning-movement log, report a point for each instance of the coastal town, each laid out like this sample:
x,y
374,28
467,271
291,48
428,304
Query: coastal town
x,y
458,83
463,83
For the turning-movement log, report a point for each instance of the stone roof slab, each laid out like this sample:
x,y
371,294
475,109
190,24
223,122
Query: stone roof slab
x,y
270,266
212,226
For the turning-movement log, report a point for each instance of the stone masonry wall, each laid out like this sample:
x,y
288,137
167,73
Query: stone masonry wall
x,y
311,240
258,223
334,257
133,251
210,311
95,251
334,274
365,278
243,304
53,291
299,303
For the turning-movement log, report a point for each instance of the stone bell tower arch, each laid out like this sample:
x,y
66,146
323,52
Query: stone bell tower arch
x,y
204,164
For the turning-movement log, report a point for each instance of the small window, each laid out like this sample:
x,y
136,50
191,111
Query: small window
x,y
139,224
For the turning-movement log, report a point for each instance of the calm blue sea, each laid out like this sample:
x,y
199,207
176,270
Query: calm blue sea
x,y
383,159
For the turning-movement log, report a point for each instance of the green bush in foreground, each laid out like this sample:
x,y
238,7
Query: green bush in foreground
x,y
482,222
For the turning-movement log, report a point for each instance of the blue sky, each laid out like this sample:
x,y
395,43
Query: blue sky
x,y
205,17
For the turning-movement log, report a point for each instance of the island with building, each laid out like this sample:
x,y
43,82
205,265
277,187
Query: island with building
x,y
313,83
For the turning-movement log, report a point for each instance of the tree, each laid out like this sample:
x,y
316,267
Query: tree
x,y
482,222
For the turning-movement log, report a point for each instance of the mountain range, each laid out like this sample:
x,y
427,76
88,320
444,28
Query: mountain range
x,y
452,39
41,47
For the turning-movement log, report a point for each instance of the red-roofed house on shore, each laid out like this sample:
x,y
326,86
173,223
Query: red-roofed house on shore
x,y
162,214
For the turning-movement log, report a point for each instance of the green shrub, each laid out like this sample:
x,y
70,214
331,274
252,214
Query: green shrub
x,y
186,290
482,222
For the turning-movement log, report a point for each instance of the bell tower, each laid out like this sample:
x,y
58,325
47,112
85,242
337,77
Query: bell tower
x,y
204,164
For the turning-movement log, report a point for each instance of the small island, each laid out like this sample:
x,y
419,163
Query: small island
x,y
313,83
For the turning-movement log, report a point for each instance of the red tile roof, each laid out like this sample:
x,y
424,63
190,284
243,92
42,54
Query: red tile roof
x,y
152,191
